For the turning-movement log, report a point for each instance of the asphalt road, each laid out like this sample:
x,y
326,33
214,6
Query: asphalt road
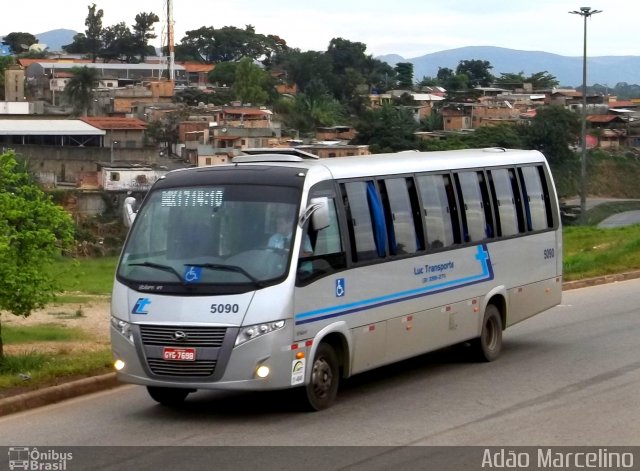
x,y
569,376
622,219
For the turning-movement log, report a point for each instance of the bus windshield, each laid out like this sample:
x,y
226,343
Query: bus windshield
x,y
215,239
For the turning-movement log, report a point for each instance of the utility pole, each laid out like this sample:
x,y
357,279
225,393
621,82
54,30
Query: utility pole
x,y
170,45
585,12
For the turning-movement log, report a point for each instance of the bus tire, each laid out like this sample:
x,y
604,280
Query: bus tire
x,y
487,347
323,386
170,397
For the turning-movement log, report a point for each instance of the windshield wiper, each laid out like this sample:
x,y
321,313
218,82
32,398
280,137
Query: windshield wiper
x,y
158,266
233,268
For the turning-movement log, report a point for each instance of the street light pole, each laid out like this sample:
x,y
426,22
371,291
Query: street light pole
x,y
585,12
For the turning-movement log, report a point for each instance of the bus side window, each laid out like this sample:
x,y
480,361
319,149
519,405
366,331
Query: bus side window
x,y
504,201
438,204
518,200
474,218
365,220
534,199
399,215
328,255
327,240
487,205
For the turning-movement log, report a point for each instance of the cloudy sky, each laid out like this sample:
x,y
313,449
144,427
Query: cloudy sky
x,y
410,28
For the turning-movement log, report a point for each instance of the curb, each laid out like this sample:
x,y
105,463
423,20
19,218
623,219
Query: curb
x,y
51,395
600,280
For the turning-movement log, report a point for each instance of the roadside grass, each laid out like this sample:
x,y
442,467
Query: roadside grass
x,y
32,370
588,251
12,335
80,278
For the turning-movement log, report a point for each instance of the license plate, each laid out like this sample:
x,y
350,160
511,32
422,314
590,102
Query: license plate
x,y
179,354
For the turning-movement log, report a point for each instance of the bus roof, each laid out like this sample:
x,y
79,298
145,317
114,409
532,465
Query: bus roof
x,y
278,168
406,162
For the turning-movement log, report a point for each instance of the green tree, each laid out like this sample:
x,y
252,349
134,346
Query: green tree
x,y
346,54
166,131
303,67
539,80
349,68
433,122
224,74
510,80
380,75
143,33
387,129
119,44
80,45
250,81
313,108
79,90
198,44
428,82
229,43
500,135
405,75
448,143
542,80
33,230
552,131
93,33
19,42
452,81
478,72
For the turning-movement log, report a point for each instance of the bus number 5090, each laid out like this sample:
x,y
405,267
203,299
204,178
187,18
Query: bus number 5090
x,y
224,308
549,253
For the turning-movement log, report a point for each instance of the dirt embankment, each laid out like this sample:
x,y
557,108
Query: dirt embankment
x,y
92,318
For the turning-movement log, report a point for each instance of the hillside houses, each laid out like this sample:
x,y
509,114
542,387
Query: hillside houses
x,y
132,101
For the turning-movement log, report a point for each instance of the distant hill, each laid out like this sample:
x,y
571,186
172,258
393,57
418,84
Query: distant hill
x,y
605,70
56,38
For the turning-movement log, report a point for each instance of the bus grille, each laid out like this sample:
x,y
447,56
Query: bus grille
x,y
163,335
181,368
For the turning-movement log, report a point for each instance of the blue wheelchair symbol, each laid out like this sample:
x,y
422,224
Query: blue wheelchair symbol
x,y
340,289
192,274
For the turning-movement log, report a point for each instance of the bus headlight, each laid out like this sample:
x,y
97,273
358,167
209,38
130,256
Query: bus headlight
x,y
251,332
124,328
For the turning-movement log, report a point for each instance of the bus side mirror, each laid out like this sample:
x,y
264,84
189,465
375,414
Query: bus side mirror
x,y
318,211
128,213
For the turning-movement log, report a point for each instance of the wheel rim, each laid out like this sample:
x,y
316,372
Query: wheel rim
x,y
321,378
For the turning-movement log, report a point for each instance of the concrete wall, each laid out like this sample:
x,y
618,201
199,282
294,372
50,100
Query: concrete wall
x,y
67,163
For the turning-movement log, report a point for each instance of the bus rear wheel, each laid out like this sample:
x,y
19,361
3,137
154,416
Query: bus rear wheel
x,y
170,397
323,387
487,347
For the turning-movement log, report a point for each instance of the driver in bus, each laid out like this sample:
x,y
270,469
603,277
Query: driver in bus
x,y
282,237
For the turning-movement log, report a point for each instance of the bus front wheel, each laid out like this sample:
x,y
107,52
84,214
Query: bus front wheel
x,y
323,386
488,346
170,397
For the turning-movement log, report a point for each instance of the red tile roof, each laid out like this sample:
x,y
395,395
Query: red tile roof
x,y
622,104
603,118
115,122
